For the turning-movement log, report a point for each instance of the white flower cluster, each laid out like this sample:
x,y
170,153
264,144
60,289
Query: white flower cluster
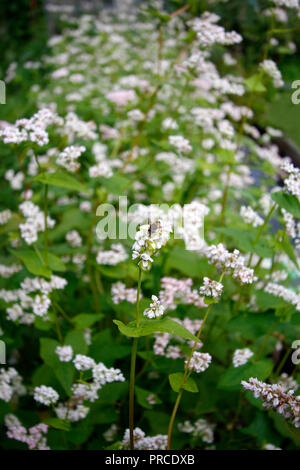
x,y
35,222
121,97
175,291
287,382
117,254
181,144
10,384
38,303
74,239
33,129
287,3
68,158
162,346
201,428
149,239
284,293
74,126
292,182
5,216
271,447
199,362
271,69
34,437
250,216
274,396
193,225
7,271
45,395
15,179
120,292
82,362
211,288
156,308
234,262
65,353
208,33
179,166
241,356
143,442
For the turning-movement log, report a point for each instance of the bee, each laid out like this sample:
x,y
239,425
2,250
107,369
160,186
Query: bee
x,y
153,227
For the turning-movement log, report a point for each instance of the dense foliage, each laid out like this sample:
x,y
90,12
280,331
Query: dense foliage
x,y
150,236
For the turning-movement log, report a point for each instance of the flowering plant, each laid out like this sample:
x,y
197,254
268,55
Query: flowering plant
x,y
197,308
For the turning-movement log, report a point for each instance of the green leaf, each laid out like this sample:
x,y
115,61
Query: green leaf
x,y
61,179
176,381
166,325
287,247
85,320
64,371
142,395
35,263
289,202
57,423
254,83
157,14
232,377
116,184
76,339
32,262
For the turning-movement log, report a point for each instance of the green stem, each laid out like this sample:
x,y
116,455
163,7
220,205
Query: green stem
x,y
186,373
131,392
45,223
132,367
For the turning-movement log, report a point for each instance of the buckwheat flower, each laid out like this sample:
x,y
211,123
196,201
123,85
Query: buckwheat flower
x,y
136,115
169,123
250,216
73,238
117,254
65,353
10,384
244,275
211,288
271,447
292,182
241,356
143,442
181,144
85,206
82,362
149,239
186,427
103,168
287,382
286,294
68,158
121,97
271,69
199,362
45,395
274,396
40,305
205,430
109,132
103,375
155,310
120,292
72,413
110,434
8,271
5,216
287,3
86,392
